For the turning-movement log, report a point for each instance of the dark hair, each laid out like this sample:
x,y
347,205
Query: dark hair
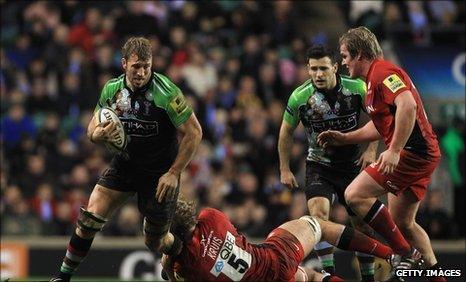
x,y
319,51
184,218
139,46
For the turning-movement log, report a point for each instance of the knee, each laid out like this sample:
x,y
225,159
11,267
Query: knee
x,y
351,196
405,225
320,214
89,224
319,207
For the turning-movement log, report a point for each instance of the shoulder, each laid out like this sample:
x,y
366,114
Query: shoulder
x,y
114,83
353,84
164,84
302,92
383,69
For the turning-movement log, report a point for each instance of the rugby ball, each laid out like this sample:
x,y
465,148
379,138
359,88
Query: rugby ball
x,y
107,114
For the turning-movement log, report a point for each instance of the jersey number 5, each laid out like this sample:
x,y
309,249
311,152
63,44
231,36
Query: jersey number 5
x,y
239,264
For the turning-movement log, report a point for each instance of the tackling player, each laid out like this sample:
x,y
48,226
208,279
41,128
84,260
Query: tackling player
x,y
327,101
405,168
153,111
213,250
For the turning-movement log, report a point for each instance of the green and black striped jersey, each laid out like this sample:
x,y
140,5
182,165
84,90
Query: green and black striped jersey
x,y
319,111
150,117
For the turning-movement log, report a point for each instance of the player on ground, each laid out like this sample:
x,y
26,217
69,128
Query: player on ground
x,y
213,249
327,101
404,169
153,111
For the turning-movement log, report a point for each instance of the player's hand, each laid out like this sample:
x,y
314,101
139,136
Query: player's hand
x,y
167,186
366,159
387,162
331,138
287,178
105,132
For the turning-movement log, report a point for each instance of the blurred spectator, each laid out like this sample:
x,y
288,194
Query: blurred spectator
x,y
434,218
452,144
21,221
128,222
15,125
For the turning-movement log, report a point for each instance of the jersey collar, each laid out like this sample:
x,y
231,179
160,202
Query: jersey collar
x,y
335,90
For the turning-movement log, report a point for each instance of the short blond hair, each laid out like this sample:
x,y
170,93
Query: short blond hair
x,y
362,41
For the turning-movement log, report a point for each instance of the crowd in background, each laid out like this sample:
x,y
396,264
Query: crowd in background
x,y
236,62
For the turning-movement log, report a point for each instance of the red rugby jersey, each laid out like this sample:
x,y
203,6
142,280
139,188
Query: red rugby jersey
x,y
217,252
384,82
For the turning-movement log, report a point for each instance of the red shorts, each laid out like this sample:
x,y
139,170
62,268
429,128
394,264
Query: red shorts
x,y
413,172
287,251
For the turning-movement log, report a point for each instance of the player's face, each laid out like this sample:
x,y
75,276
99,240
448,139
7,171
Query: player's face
x,y
350,62
322,73
137,71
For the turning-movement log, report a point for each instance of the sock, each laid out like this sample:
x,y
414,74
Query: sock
x,y
354,240
366,266
436,278
325,253
380,220
75,254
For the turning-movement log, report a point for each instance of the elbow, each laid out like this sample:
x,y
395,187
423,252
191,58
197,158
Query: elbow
x,y
198,134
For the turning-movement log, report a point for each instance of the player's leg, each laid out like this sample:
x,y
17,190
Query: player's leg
x,y
320,207
361,195
157,216
319,195
404,208
366,261
102,203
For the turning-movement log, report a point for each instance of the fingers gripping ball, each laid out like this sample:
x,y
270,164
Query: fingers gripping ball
x,y
121,140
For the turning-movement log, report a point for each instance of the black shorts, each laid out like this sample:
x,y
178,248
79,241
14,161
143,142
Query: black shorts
x,y
121,176
323,181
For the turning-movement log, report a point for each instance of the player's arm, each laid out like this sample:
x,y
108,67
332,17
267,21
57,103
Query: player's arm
x,y
369,155
191,133
367,133
104,131
285,142
405,118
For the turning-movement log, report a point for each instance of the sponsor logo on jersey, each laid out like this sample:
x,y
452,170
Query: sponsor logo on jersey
x,y
140,128
179,104
342,123
394,83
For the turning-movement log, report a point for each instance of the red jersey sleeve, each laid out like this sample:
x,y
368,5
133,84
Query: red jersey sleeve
x,y
390,82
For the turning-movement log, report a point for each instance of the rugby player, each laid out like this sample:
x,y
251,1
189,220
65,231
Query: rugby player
x,y
213,250
404,170
153,111
327,101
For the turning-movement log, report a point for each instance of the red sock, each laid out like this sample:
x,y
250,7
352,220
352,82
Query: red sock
x,y
380,220
353,240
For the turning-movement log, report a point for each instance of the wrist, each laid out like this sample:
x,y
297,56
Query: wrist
x,y
395,150
174,171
